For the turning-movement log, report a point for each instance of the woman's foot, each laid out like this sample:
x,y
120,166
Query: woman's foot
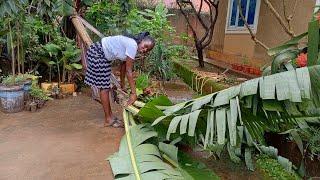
x,y
114,122
109,121
118,124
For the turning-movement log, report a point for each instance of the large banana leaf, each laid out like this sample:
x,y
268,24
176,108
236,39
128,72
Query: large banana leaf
x,y
242,114
313,43
137,159
279,97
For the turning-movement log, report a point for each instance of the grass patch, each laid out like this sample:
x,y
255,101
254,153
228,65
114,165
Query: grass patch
x,y
271,169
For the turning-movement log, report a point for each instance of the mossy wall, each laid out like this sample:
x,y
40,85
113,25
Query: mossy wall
x,y
189,77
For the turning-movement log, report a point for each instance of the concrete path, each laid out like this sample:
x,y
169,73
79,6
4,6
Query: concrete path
x,y
64,140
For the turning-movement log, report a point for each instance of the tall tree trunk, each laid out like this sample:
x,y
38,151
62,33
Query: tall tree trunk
x,y
64,73
23,55
201,40
59,75
200,56
12,53
50,74
18,54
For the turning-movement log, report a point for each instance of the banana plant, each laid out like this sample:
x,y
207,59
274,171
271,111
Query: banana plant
x,y
236,118
53,51
70,62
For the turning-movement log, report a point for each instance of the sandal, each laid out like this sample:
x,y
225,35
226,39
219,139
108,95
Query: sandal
x,y
118,123
109,124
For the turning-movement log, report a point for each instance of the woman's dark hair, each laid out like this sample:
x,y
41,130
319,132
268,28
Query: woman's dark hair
x,y
304,50
140,37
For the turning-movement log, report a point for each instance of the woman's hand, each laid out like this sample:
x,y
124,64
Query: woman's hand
x,y
132,99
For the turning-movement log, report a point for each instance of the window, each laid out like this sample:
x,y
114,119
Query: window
x,y
250,9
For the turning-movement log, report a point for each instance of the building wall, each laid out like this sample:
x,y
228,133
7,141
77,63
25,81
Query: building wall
x,y
270,31
239,48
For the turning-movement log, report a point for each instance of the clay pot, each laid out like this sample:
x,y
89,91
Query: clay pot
x,y
234,66
257,71
11,98
68,88
246,69
47,87
240,67
251,70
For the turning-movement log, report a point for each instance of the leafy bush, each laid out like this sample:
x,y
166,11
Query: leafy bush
x,y
159,62
18,79
272,169
154,21
105,16
37,93
314,142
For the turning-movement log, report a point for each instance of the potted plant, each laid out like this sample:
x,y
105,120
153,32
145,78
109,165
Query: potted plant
x,y
11,95
70,66
65,57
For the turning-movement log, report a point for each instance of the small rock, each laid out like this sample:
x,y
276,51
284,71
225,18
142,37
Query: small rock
x,y
33,107
241,79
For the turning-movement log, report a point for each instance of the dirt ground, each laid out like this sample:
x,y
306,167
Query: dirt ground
x,y
64,140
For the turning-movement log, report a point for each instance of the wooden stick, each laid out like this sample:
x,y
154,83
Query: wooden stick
x,y
81,31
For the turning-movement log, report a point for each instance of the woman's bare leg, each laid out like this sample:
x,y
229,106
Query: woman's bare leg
x,y
105,100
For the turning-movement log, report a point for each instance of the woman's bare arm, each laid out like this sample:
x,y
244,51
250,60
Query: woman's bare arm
x,y
129,72
122,74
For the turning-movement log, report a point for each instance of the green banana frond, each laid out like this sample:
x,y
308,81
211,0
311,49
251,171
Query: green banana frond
x,y
268,103
138,159
282,61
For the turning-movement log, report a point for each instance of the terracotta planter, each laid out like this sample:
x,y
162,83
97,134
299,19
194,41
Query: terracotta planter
x,y
257,71
68,88
246,69
240,67
234,66
11,98
47,87
251,70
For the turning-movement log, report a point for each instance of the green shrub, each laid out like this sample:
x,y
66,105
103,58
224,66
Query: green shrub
x,y
37,93
314,142
272,169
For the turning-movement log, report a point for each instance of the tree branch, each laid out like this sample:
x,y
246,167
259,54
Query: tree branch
x,y
197,14
278,17
208,29
200,8
289,18
213,22
253,36
187,19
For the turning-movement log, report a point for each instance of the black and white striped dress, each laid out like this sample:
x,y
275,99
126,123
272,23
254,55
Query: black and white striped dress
x,y
98,67
100,56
